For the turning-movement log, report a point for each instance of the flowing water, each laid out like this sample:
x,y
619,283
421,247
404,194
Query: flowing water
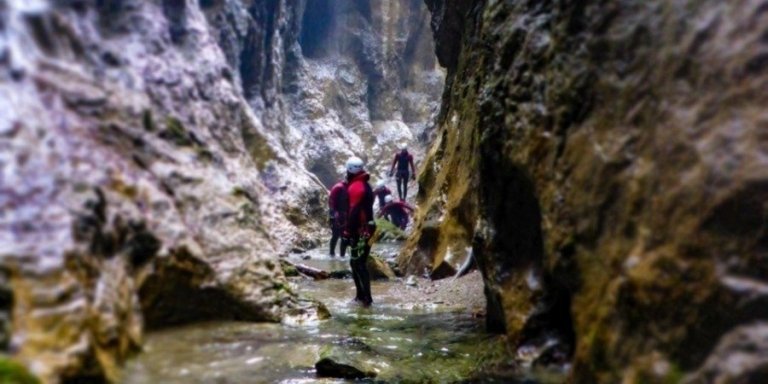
x,y
401,340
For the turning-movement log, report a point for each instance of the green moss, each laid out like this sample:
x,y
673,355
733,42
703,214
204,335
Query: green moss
x,y
12,372
176,133
289,270
248,216
205,155
239,192
279,286
389,231
675,375
147,122
257,146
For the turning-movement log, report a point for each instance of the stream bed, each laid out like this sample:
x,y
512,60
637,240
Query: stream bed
x,y
408,335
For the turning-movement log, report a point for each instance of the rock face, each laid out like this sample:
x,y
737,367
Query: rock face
x,y
334,78
157,157
606,163
740,357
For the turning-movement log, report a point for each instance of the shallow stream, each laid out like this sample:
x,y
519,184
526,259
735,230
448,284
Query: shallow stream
x,y
401,340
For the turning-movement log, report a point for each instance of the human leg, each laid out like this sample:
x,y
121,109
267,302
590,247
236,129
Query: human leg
x,y
359,266
405,186
343,247
335,234
365,278
355,255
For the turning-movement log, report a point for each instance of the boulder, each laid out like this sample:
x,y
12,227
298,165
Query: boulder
x,y
343,364
442,270
379,269
387,231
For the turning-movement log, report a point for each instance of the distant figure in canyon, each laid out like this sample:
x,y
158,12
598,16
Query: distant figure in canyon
x,y
381,191
338,204
401,161
359,227
396,212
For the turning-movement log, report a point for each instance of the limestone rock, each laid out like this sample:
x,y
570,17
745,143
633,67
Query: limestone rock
x,y
741,356
335,78
605,162
125,144
159,153
338,363
379,269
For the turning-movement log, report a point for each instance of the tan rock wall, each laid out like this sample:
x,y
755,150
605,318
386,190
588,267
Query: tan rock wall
x,y
606,157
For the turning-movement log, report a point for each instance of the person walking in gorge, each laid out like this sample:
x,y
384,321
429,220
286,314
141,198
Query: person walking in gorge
x,y
382,192
338,202
359,227
401,161
396,212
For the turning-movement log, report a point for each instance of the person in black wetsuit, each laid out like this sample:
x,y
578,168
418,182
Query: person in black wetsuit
x,y
359,227
402,160
381,191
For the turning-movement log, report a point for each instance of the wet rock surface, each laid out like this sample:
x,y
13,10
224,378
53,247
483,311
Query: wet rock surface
x,y
134,175
604,162
340,365
157,157
335,78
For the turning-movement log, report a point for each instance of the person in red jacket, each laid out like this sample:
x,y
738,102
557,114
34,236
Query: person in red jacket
x,y
359,227
338,203
402,160
381,191
396,212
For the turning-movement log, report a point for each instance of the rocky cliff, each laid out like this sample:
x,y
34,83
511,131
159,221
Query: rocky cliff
x,y
157,156
605,163
335,78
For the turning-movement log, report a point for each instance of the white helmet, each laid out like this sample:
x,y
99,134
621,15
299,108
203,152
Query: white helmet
x,y
404,147
388,199
355,165
380,183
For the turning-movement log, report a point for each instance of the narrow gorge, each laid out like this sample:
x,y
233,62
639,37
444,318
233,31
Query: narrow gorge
x,y
596,168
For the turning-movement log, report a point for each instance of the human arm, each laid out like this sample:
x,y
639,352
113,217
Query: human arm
x,y
332,200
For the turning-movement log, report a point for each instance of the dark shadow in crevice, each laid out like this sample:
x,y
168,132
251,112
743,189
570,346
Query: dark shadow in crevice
x,y
513,248
317,26
175,11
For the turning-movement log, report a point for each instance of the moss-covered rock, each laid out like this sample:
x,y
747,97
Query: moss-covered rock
x,y
386,231
12,372
603,161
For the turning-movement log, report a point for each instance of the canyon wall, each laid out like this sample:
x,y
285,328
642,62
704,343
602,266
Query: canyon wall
x,y
337,77
605,164
157,157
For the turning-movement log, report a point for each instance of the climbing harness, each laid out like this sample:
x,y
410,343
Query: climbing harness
x,y
362,242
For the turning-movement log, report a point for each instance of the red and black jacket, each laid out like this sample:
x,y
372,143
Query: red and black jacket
x,y
338,201
361,200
